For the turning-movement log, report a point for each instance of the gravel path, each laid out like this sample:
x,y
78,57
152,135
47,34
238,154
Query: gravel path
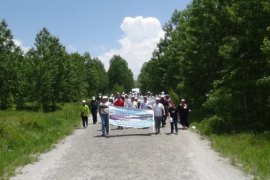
x,y
131,154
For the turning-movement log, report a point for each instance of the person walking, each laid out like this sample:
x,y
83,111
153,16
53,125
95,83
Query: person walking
x,y
144,104
172,112
104,113
183,110
84,113
120,103
165,104
159,112
132,104
94,109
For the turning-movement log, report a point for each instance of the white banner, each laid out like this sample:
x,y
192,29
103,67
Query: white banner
x,y
127,117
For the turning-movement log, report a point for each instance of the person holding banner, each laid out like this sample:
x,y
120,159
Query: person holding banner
x,y
132,103
120,103
144,104
104,114
159,112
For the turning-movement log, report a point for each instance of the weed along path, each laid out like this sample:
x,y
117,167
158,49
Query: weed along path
x,y
131,154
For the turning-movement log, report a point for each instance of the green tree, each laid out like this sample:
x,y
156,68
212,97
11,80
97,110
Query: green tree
x,y
96,76
119,74
10,58
75,79
48,60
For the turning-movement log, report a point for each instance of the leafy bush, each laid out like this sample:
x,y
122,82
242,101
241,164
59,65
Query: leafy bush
x,y
213,125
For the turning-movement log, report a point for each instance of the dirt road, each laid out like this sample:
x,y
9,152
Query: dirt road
x,y
131,154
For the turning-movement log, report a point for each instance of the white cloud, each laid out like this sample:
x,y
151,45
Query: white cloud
x,y
20,44
140,38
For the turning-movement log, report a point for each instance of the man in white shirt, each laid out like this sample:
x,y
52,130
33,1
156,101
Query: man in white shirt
x,y
159,112
132,103
104,114
144,104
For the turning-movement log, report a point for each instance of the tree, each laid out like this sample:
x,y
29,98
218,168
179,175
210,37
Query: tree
x,y
96,76
119,74
10,58
48,61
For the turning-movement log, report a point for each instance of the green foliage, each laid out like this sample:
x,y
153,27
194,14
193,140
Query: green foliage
x,y
119,74
216,55
214,125
46,74
174,97
25,134
10,61
249,151
96,76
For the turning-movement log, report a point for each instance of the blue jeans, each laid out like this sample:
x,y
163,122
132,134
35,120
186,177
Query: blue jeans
x,y
158,120
105,123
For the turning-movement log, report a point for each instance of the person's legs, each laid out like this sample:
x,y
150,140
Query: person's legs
x,y
171,127
103,124
159,119
83,123
94,116
86,121
107,124
156,124
175,125
163,121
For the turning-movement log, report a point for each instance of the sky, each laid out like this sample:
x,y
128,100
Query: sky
x,y
129,28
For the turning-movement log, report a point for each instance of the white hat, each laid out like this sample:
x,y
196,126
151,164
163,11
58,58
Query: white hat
x,y
105,97
83,101
93,98
157,98
183,100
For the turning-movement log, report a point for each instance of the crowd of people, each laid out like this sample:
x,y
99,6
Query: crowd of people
x,y
163,107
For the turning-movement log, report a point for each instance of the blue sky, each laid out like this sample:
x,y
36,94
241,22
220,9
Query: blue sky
x,y
130,28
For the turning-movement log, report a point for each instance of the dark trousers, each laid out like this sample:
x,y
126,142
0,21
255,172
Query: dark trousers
x,y
158,119
163,121
174,125
85,121
94,116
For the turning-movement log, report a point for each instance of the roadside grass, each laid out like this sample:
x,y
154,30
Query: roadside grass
x,y
248,150
25,134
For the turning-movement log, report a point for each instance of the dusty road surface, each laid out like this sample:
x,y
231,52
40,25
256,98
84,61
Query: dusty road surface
x,y
131,154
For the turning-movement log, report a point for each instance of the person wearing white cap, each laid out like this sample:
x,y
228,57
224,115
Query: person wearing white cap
x,y
132,103
183,110
104,114
94,108
144,104
159,112
84,113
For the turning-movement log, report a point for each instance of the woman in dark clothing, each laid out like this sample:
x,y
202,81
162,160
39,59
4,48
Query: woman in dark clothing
x,y
172,110
183,110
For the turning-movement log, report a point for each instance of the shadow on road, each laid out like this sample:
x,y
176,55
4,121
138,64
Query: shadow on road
x,y
124,135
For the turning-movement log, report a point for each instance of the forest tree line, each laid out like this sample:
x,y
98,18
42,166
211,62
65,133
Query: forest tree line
x,y
47,74
216,54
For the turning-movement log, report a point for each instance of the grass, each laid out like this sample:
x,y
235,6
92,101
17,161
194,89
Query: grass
x,y
25,134
248,150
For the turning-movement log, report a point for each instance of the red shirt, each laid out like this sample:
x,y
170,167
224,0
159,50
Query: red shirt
x,y
119,102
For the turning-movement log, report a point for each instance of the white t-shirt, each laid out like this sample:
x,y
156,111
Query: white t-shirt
x,y
144,105
132,104
104,110
158,109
